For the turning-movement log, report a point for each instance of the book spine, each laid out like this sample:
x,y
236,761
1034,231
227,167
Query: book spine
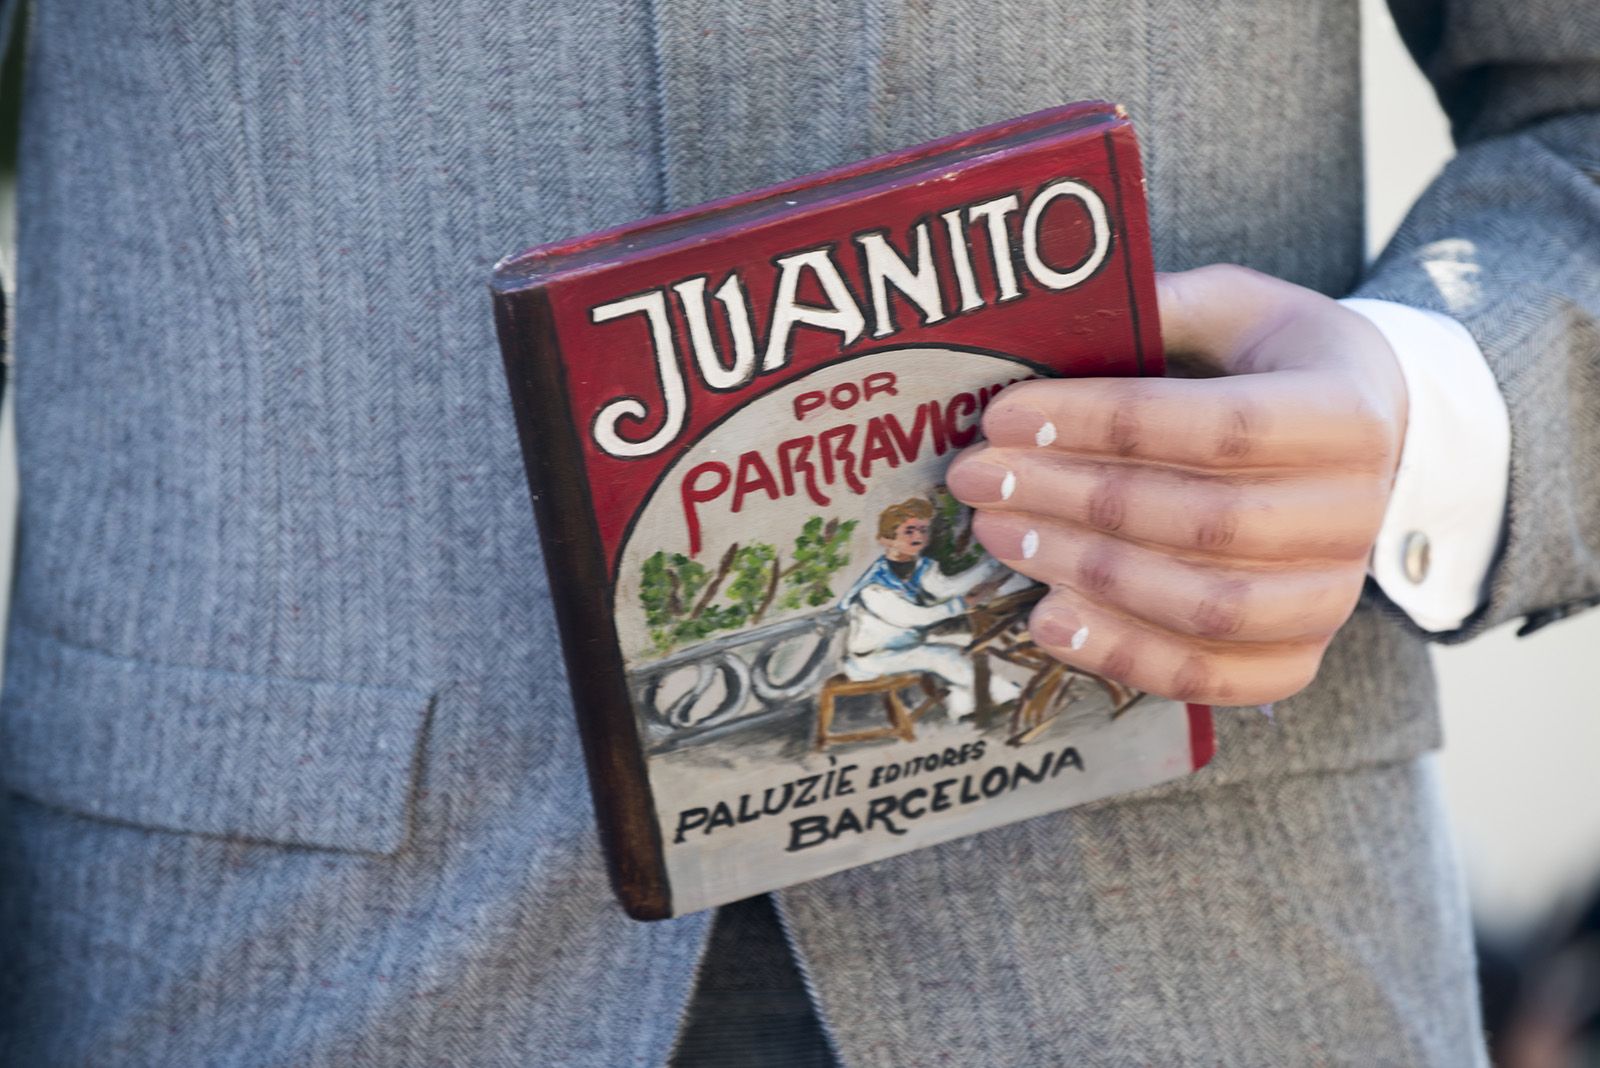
x,y
580,590
1132,210
1127,169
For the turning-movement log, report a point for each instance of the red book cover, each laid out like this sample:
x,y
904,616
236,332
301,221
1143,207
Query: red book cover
x,y
788,656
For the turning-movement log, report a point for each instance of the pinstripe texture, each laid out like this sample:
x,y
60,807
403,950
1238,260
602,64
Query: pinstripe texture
x,y
258,240
813,85
293,777
1157,934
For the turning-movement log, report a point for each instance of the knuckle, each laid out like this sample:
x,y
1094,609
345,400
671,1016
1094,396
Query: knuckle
x,y
1373,443
1123,431
1217,524
1108,502
1097,569
1236,435
1193,679
1120,660
1223,610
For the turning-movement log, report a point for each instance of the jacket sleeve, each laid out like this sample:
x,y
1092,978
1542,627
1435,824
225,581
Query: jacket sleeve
x,y
1507,242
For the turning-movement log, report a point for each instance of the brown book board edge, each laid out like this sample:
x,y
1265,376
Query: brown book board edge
x,y
618,780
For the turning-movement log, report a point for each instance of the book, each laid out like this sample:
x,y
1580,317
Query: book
x,y
788,656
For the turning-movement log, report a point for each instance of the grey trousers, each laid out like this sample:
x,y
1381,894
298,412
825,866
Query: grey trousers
x,y
750,1006
1303,920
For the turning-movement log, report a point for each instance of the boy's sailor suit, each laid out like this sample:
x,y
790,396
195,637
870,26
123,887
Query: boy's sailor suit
x,y
892,605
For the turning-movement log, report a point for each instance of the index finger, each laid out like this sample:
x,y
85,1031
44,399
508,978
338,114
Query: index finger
x,y
1284,419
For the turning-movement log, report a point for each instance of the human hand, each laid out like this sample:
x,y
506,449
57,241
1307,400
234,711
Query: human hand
x,y
1203,538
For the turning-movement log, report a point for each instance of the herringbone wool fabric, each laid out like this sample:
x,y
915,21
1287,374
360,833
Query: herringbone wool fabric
x,y
291,773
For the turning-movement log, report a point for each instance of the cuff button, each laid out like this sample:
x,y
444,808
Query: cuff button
x,y
1415,557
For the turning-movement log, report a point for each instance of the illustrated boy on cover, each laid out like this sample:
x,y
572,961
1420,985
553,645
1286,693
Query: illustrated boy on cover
x,y
898,599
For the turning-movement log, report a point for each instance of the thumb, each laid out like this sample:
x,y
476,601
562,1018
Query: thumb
x,y
1213,319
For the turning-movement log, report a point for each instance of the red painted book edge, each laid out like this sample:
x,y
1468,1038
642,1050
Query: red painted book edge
x,y
576,569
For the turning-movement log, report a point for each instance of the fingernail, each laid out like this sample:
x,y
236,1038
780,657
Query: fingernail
x,y
977,482
1006,536
1059,627
1010,423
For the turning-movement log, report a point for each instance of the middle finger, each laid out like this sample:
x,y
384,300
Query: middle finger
x,y
1264,518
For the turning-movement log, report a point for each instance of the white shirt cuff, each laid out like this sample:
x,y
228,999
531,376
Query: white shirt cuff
x,y
1443,524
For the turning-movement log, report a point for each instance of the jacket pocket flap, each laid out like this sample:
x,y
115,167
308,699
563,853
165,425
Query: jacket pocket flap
x,y
189,749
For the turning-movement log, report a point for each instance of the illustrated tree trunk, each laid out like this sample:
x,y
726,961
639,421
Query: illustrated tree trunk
x,y
772,587
674,595
716,582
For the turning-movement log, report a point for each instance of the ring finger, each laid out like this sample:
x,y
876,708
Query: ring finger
x,y
1200,599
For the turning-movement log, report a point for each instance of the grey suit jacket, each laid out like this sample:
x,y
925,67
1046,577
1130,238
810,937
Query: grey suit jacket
x,y
291,773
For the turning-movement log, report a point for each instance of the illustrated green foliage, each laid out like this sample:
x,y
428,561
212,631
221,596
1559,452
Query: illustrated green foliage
x,y
668,583
950,540
819,551
753,566
685,601
671,590
707,623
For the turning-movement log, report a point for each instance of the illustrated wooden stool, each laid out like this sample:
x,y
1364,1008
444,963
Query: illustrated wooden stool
x,y
901,718
1000,630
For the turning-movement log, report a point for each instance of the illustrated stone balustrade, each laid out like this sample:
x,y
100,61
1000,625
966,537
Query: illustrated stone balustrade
x,y
728,683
